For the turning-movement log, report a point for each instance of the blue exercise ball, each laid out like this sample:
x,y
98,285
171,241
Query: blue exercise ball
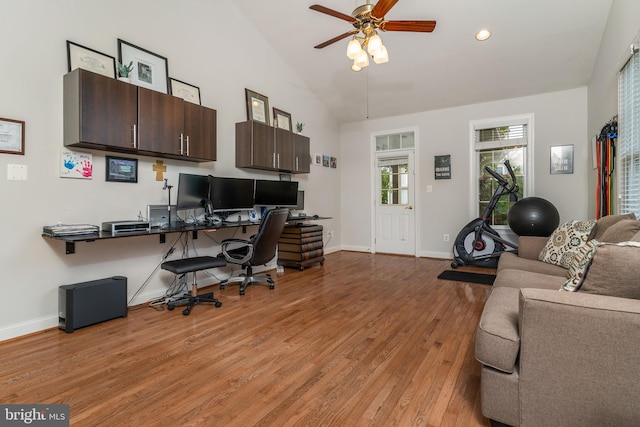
x,y
533,216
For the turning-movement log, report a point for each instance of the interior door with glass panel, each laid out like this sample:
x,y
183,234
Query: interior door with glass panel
x,y
395,213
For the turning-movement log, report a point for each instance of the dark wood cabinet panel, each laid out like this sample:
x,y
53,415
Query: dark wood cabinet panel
x,y
301,154
160,123
106,114
99,111
259,146
200,128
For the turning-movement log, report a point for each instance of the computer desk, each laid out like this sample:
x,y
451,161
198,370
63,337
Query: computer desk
x,y
70,240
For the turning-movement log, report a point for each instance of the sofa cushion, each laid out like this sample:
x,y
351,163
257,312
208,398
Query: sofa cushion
x,y
621,231
579,266
563,243
497,337
527,279
605,222
509,261
614,271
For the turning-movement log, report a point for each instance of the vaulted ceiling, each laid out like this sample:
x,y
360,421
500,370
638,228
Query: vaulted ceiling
x,y
537,46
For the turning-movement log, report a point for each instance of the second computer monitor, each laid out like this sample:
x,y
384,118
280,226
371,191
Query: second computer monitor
x,y
231,194
276,193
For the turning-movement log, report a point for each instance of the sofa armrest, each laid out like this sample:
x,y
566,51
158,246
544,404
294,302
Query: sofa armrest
x,y
579,359
530,246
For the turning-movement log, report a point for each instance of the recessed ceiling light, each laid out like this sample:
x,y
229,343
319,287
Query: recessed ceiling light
x,y
483,34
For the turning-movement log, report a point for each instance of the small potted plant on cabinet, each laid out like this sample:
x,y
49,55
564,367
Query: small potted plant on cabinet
x,y
299,127
124,71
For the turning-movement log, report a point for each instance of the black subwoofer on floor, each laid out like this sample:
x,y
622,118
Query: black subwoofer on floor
x,y
87,303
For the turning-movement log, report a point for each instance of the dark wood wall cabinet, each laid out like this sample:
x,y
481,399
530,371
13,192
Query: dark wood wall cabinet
x,y
259,146
106,114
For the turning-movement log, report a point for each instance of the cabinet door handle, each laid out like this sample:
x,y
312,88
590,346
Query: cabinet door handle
x,y
297,163
273,156
135,136
187,145
278,160
181,144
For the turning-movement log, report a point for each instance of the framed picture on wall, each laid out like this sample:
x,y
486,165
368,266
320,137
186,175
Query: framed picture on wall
x,y
189,93
281,119
561,159
257,107
121,169
79,56
150,70
11,136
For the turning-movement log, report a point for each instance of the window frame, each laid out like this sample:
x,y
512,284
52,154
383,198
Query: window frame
x,y
629,134
474,125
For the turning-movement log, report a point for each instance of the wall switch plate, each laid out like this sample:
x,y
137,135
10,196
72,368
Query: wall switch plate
x,y
17,172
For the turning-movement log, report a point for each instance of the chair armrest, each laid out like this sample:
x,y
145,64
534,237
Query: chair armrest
x,y
579,359
232,254
530,246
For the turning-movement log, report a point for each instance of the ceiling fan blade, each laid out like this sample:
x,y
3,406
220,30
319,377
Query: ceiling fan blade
x,y
335,39
333,13
414,26
382,7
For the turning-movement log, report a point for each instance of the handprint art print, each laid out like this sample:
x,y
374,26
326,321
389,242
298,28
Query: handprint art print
x,y
76,165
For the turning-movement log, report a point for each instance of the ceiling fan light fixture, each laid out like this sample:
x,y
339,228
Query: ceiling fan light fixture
x,y
381,56
374,44
353,49
483,34
362,60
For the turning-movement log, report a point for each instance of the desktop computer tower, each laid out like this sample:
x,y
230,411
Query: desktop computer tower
x,y
87,303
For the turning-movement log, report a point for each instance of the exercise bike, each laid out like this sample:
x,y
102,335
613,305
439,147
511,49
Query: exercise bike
x,y
478,243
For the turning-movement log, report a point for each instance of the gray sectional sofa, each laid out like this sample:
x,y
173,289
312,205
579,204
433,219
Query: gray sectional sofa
x,y
565,358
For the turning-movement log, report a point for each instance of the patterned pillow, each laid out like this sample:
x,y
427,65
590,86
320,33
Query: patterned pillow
x,y
579,266
564,242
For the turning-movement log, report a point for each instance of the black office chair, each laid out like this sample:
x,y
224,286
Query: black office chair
x,y
258,250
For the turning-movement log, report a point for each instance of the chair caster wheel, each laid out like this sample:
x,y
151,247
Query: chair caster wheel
x,y
170,307
218,304
222,286
241,292
272,286
186,311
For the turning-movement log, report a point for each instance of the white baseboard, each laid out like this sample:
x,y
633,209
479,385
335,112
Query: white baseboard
x,y
430,254
29,327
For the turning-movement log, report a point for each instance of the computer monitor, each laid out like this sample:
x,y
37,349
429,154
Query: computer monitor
x,y
276,193
193,191
300,201
231,194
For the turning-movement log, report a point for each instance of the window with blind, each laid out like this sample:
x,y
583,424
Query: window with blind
x,y
494,142
629,134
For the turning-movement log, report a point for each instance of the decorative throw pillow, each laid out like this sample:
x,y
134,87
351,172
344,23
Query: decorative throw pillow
x,y
614,271
621,231
579,266
605,222
564,242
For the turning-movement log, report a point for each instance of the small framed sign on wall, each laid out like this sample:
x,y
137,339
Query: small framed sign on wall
x,y
442,167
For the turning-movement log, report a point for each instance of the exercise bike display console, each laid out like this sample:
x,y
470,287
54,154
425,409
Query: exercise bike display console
x,y
478,243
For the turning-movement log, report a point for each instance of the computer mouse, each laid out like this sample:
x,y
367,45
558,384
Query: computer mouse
x,y
316,217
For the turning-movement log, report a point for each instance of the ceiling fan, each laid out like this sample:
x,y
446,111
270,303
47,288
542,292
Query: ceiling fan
x,y
368,19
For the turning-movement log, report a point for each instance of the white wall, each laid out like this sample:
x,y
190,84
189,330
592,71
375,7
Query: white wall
x,y
622,26
560,118
208,44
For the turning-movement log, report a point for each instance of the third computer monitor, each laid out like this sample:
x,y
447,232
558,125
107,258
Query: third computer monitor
x,y
276,193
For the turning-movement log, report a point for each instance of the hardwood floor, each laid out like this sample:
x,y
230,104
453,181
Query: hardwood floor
x,y
365,340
